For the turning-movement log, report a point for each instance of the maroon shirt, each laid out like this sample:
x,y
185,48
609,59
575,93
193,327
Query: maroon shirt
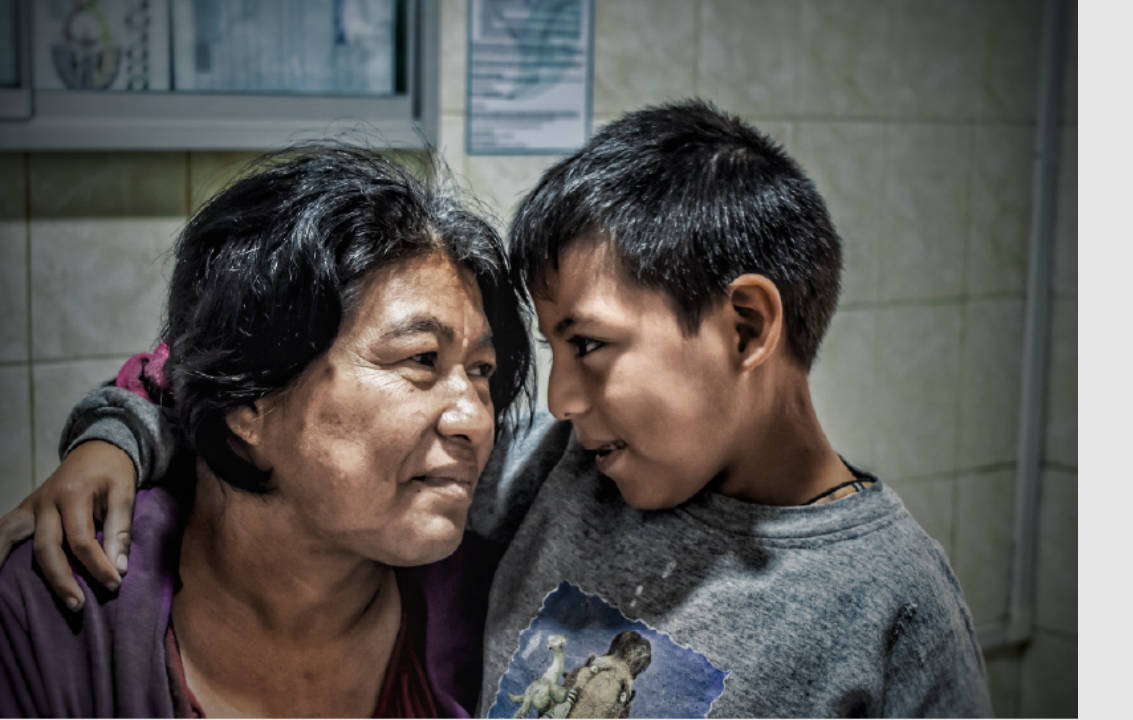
x,y
405,688
111,658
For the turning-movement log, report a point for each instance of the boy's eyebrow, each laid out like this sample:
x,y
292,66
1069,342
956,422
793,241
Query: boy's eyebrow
x,y
430,325
563,325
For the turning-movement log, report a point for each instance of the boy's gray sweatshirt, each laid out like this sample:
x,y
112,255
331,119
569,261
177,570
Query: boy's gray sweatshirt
x,y
717,607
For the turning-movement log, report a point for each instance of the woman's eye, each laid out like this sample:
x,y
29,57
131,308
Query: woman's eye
x,y
484,370
584,346
428,359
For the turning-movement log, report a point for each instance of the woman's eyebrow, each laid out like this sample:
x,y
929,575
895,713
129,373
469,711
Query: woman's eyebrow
x,y
418,325
430,325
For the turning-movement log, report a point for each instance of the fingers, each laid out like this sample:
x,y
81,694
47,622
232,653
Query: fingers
x,y
116,526
14,527
77,512
48,551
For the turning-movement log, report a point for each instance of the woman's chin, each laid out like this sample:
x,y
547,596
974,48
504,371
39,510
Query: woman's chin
x,y
428,545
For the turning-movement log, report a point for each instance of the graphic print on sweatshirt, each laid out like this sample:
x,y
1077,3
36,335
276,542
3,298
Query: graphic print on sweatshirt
x,y
581,657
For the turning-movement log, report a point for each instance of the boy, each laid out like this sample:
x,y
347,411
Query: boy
x,y
683,540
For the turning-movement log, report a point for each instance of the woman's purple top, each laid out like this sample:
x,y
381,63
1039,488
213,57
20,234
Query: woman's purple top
x,y
109,660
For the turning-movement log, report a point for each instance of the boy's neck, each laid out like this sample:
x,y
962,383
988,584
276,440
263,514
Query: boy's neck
x,y
784,457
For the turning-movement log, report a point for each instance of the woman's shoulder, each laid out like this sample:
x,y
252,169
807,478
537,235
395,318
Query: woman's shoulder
x,y
108,657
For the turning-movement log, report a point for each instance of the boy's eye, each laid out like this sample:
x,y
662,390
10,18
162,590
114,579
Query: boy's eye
x,y
583,345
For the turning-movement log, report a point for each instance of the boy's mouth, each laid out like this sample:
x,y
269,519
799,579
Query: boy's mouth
x,y
608,448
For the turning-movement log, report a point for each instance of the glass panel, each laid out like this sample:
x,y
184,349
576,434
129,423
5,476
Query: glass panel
x,y
317,47
339,47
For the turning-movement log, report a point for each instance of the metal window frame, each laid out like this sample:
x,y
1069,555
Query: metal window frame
x,y
73,120
15,103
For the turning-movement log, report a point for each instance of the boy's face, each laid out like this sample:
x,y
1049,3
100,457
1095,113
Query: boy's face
x,y
661,410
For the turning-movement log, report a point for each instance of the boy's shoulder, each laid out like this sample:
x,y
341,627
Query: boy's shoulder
x,y
520,463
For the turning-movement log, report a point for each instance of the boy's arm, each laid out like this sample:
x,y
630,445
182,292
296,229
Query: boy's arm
x,y
935,669
112,437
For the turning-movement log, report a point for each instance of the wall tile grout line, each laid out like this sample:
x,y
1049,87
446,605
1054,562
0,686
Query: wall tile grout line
x,y
32,480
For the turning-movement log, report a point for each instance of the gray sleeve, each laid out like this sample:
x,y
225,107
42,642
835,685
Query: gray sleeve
x,y
126,420
935,668
516,470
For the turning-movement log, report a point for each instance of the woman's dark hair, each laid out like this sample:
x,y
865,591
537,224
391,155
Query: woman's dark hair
x,y
266,272
690,198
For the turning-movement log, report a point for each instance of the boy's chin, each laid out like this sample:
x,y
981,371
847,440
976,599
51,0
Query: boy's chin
x,y
646,495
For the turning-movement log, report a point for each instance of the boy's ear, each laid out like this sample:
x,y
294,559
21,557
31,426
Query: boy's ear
x,y
757,314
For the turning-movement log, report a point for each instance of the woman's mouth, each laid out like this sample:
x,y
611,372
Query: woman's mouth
x,y
456,487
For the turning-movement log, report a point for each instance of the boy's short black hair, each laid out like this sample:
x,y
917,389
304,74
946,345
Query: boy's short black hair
x,y
267,271
690,198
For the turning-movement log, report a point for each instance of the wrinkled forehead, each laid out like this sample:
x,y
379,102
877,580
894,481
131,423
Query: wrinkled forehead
x,y
431,284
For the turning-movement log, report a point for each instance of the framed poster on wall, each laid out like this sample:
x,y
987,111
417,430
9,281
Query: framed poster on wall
x,y
530,70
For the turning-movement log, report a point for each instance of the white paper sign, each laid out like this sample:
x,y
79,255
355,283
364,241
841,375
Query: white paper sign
x,y
529,74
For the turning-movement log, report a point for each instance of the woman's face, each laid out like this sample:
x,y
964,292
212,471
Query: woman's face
x,y
376,449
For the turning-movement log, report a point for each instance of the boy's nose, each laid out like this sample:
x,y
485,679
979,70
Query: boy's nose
x,y
565,397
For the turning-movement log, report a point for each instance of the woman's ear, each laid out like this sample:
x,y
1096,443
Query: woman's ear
x,y
757,316
247,426
246,423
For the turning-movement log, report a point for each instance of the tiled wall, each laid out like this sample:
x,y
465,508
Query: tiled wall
x,y
915,118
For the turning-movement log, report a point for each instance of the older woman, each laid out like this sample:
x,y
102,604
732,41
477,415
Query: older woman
x,y
344,344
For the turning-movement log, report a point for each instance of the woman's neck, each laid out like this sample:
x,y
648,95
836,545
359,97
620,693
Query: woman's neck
x,y
260,567
269,623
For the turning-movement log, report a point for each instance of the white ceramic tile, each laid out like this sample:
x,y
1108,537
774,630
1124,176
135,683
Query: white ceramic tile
x,y
982,551
917,389
13,290
846,161
844,57
58,387
1049,677
13,186
213,171
643,53
501,181
1000,200
842,387
107,184
993,357
783,133
13,257
1061,444
1009,67
936,49
929,501
15,436
748,55
1066,234
454,54
925,199
1003,681
1056,586
98,285
450,145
